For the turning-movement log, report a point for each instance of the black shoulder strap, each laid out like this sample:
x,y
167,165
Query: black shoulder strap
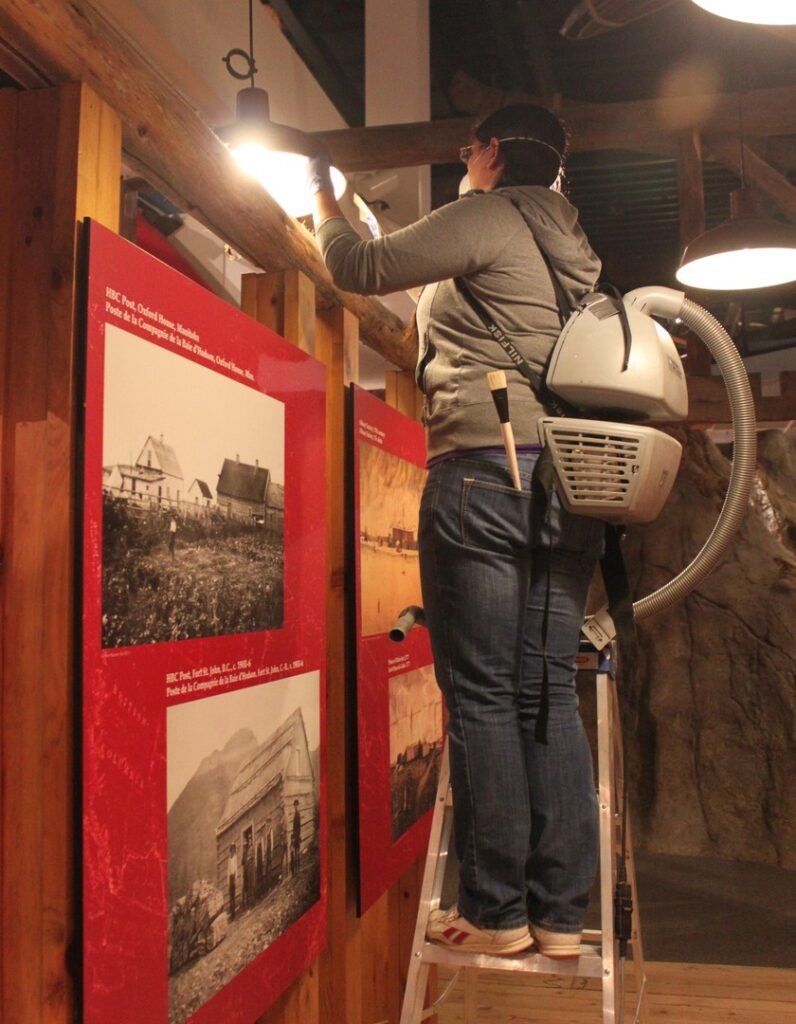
x,y
546,398
532,376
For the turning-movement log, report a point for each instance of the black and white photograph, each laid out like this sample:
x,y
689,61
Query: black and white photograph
x,y
415,745
389,502
243,776
192,499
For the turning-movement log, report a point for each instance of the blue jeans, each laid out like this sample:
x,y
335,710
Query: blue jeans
x,y
525,813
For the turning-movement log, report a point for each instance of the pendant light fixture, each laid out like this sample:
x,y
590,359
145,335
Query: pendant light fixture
x,y
756,12
275,154
745,251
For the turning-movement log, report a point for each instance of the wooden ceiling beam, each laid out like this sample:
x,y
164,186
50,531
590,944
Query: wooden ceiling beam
x,y
714,113
384,147
647,125
779,151
170,143
761,175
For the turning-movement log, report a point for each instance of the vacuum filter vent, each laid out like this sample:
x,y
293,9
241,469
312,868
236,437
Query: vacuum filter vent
x,y
613,471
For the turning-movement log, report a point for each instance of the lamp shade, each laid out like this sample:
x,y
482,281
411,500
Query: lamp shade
x,y
745,253
756,12
275,154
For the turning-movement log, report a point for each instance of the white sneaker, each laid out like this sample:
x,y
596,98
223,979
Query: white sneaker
x,y
449,928
556,945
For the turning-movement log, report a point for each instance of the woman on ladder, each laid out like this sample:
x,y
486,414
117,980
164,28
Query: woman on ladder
x,y
525,809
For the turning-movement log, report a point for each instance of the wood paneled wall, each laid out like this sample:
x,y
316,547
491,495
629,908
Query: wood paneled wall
x,y
61,161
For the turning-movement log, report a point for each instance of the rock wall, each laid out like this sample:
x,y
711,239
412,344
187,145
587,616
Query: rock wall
x,y
710,727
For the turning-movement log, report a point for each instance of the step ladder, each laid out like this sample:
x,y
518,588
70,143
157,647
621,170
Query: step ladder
x,y
601,950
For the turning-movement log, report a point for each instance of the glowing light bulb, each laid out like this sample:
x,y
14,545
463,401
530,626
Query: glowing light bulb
x,y
760,12
741,269
283,176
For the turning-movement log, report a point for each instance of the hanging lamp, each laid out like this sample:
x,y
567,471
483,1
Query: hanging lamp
x,y
746,251
275,154
756,12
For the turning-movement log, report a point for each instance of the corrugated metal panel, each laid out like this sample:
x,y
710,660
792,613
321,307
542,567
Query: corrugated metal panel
x,y
622,198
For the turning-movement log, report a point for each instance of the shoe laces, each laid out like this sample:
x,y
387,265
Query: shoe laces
x,y
450,915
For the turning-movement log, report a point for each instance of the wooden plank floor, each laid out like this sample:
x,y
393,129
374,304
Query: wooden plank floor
x,y
677,994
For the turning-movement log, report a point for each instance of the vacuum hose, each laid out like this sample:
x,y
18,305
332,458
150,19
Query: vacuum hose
x,y
736,502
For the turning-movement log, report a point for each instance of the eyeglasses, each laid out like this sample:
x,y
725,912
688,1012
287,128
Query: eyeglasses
x,y
467,151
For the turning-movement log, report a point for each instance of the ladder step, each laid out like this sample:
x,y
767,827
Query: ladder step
x,y
588,965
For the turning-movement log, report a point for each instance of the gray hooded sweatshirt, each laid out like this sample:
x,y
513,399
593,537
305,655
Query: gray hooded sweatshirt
x,y
492,239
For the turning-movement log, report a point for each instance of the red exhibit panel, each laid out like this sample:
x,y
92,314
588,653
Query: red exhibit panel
x,y
203,640
399,707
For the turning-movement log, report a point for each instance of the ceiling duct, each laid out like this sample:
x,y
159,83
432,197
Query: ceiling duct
x,y
591,18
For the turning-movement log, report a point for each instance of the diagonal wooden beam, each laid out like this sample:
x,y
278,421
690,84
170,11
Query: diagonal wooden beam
x,y
780,152
169,142
15,65
765,178
342,92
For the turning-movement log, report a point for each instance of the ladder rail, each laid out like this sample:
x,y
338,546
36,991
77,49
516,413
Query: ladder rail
x,y
600,956
430,890
606,783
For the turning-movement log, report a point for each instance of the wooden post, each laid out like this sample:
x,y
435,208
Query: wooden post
x,y
285,302
63,163
692,223
691,188
340,965
380,995
402,393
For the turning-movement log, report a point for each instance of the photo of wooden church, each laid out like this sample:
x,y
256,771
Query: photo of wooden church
x,y
193,507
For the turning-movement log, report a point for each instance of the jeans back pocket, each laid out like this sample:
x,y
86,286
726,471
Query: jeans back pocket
x,y
494,517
